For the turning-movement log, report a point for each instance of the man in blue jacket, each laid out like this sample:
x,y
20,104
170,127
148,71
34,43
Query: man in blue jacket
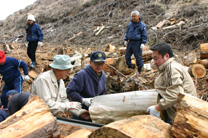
x,y
89,82
136,37
11,75
34,38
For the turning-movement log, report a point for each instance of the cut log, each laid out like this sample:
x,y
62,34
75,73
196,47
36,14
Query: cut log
x,y
191,118
34,120
191,58
110,48
204,62
111,62
33,74
161,24
204,51
112,107
82,133
197,71
147,55
122,50
143,126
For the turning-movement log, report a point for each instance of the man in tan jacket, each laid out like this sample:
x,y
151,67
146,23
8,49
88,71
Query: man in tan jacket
x,y
51,88
173,79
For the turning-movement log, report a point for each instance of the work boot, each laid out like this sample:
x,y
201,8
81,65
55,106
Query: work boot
x,y
33,64
139,70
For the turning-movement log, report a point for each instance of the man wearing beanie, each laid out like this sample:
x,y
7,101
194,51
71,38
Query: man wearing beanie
x,y
34,38
11,75
88,83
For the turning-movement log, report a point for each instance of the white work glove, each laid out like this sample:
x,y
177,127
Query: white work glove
x,y
87,101
125,43
142,46
153,111
40,44
26,78
73,105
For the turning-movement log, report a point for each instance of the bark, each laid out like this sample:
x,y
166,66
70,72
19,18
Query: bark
x,y
144,126
34,120
191,118
112,107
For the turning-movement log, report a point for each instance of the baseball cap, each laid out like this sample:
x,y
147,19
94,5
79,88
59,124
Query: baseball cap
x,y
98,56
2,57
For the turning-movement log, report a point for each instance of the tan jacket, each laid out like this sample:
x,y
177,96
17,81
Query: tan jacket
x,y
173,79
46,86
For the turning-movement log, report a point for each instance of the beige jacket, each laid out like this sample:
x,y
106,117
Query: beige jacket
x,y
173,79
46,86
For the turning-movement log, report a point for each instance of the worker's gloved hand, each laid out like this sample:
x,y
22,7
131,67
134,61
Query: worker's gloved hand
x,y
125,43
40,44
142,46
26,78
73,105
87,101
153,111
81,113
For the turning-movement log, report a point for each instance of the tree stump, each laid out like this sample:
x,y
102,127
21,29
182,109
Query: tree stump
x,y
143,126
197,71
112,107
191,118
34,120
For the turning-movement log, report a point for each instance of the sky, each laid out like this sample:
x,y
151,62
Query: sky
x,y
8,7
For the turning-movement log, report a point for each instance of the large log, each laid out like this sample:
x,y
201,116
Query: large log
x,y
112,107
204,51
191,118
34,120
82,133
191,58
204,62
197,71
143,126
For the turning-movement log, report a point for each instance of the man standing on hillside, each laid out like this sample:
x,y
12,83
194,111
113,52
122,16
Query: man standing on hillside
x,y
88,83
9,69
34,38
136,37
173,79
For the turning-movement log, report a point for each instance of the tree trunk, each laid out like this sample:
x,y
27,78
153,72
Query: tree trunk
x,y
112,107
204,51
82,133
197,71
144,126
34,120
191,118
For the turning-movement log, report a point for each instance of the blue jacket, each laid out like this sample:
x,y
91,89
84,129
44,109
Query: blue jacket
x,y
86,84
10,70
34,33
136,31
3,115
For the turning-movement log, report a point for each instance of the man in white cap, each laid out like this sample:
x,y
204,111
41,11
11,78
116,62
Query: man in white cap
x,y
51,88
34,38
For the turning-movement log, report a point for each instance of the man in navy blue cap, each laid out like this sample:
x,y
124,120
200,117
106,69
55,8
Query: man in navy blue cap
x,y
88,83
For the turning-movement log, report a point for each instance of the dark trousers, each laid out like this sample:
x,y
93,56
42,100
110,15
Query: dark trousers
x,y
16,85
31,49
134,48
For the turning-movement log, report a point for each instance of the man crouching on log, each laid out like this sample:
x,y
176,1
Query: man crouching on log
x,y
51,88
173,79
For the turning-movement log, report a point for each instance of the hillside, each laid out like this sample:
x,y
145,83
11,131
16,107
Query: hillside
x,y
62,19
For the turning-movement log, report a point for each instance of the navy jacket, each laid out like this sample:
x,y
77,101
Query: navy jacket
x,y
10,70
86,84
34,33
3,115
17,101
136,32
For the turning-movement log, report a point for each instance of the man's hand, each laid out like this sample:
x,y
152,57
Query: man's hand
x,y
87,101
40,44
125,43
26,78
142,46
81,113
74,105
153,111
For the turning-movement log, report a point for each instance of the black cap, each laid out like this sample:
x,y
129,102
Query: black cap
x,y
98,56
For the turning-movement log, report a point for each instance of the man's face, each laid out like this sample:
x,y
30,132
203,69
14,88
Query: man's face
x,y
63,74
135,18
30,22
158,59
97,66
